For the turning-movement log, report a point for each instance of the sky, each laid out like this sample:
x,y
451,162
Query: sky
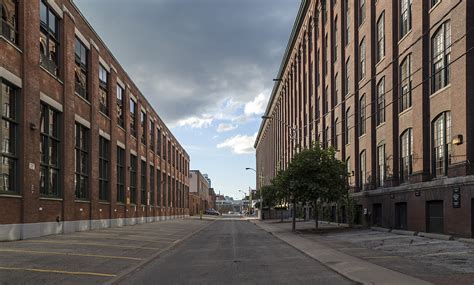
x,y
206,66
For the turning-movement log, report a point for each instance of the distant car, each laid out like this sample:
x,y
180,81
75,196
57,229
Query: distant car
x,y
212,212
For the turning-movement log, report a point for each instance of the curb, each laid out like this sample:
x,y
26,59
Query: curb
x,y
467,240
435,236
380,229
405,233
122,275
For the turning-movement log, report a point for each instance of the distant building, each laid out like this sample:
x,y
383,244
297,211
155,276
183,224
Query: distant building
x,y
204,196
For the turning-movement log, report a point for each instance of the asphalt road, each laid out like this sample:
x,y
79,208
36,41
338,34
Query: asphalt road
x,y
234,252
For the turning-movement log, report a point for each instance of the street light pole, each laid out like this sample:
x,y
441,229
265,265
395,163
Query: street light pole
x,y
260,213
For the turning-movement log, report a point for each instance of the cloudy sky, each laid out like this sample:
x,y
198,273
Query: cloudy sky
x,y
206,66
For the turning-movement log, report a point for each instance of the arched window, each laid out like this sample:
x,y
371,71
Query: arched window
x,y
406,155
380,115
405,79
347,127
362,171
380,37
441,56
362,59
362,114
441,144
405,17
381,162
348,167
9,14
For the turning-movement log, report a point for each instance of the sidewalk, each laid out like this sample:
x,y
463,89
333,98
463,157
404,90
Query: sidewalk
x,y
348,266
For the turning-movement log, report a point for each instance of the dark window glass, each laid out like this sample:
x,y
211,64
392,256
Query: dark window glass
x,y
405,17
120,175
381,165
103,90
104,177
380,37
9,16
49,39
152,186
158,145
442,144
82,162
362,59
362,116
143,125
347,127
143,194
159,189
81,69
120,106
9,159
347,78
361,11
133,118
406,155
405,78
362,171
380,115
152,135
133,179
49,148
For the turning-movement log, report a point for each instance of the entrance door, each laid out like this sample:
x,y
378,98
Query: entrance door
x,y
377,214
401,216
434,216
358,215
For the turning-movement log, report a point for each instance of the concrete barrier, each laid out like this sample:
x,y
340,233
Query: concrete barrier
x,y
435,236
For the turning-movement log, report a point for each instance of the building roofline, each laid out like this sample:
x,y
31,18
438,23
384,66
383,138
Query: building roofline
x,y
289,47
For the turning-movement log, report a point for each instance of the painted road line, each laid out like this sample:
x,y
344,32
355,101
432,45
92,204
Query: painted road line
x,y
57,271
69,254
93,244
120,238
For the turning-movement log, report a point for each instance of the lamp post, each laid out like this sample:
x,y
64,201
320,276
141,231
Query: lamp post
x,y
242,201
261,196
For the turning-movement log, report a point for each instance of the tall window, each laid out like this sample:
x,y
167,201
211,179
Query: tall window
x,y
361,11
347,21
347,127
158,145
103,90
49,38
336,89
143,126
9,140
380,115
334,134
164,147
405,17
104,151
406,155
326,46
133,179
442,144
152,185
335,38
348,169
168,195
347,78
318,75
405,78
143,183
120,103
9,16
362,116
49,148
152,135
326,137
169,152
159,188
120,175
82,162
362,171
380,37
81,69
381,165
133,117
441,53
362,59
326,99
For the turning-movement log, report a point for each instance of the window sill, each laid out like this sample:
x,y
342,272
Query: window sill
x,y
104,115
403,38
52,75
104,202
82,98
380,125
434,7
51,198
8,195
405,111
121,128
440,90
380,61
10,43
82,201
362,136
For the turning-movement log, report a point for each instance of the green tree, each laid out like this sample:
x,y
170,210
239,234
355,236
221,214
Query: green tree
x,y
316,176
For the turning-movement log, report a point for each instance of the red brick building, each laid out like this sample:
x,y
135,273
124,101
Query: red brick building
x,y
82,148
390,85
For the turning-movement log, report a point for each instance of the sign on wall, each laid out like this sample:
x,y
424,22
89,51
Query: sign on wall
x,y
456,197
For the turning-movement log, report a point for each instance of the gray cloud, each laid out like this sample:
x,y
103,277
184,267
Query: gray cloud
x,y
190,56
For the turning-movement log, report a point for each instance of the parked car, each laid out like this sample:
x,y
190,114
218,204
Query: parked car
x,y
212,212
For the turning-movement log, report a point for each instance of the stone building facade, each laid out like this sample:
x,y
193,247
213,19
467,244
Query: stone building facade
x,y
82,148
390,85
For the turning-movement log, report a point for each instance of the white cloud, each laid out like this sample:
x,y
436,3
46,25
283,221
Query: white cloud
x,y
223,127
196,122
257,106
239,144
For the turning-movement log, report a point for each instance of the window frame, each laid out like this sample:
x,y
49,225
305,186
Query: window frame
x,y
51,64
133,118
381,165
362,115
405,27
82,168
82,67
444,146
121,163
10,156
406,84
362,59
380,37
103,87
362,170
406,156
8,30
104,172
380,115
441,76
46,141
133,179
143,181
120,102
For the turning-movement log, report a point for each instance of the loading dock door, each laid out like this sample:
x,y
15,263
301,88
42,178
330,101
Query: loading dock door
x,y
401,216
434,216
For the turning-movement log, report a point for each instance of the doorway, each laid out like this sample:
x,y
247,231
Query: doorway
x,y
377,214
401,216
434,217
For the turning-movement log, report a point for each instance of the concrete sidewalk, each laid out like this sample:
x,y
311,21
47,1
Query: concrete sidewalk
x,y
348,266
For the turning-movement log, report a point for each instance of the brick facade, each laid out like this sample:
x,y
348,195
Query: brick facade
x,y
29,208
405,145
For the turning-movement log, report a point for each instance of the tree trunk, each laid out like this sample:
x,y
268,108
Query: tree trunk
x,y
294,216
